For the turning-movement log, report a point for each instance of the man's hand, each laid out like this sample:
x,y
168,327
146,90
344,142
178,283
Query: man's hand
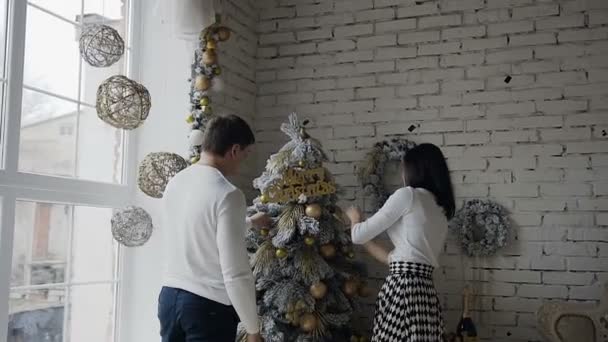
x,y
254,338
260,220
354,215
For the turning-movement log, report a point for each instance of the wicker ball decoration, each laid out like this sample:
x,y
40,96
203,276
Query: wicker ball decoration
x,y
156,170
122,103
101,45
132,226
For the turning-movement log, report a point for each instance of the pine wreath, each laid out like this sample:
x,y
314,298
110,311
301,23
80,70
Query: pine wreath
x,y
371,172
483,227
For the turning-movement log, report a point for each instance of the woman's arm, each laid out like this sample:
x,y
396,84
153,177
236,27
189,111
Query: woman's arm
x,y
377,251
391,211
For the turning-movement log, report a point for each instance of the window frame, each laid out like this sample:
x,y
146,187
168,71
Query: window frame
x,y
16,185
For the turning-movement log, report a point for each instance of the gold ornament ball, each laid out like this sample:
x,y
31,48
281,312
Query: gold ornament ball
x,y
328,251
350,287
217,71
301,163
223,34
313,210
264,232
318,290
194,160
209,57
281,253
351,255
264,199
205,101
211,44
190,119
207,110
308,322
202,83
309,241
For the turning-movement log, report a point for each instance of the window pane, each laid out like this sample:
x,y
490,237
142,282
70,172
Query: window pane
x,y
93,248
69,9
109,9
51,54
36,315
48,135
3,14
40,243
91,313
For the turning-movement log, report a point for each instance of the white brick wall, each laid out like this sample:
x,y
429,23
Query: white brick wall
x,y
366,70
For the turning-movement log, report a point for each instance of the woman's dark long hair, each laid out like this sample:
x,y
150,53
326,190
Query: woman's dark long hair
x,y
424,166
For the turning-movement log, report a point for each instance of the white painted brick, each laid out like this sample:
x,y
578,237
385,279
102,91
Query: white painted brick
x,y
353,30
564,162
511,276
276,38
541,205
263,52
312,109
278,12
387,3
373,67
577,20
316,60
445,74
439,21
334,95
467,138
488,151
395,52
515,163
593,292
391,129
598,17
303,85
484,43
542,291
587,147
567,219
296,23
441,126
383,104
463,32
598,75
592,204
538,150
567,278
509,108
561,106
561,78
361,81
589,62
536,67
470,190
418,37
335,19
587,90
587,234
277,87
507,3
347,156
513,190
353,106
395,25
418,63
488,16
418,10
535,11
581,175
462,59
291,74
602,219
438,48
353,131
352,5
528,219
544,234
275,63
440,100
468,163
336,45
460,5
510,27
560,190
376,14
461,112
587,119
486,97
354,56
375,41
331,120
587,34
309,10
294,98
478,177
537,94
396,78
532,39
335,70
488,71
418,89
512,55
550,175
265,76
600,189
363,93
570,249
587,264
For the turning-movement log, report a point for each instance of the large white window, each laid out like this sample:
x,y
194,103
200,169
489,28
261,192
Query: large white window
x,y
63,172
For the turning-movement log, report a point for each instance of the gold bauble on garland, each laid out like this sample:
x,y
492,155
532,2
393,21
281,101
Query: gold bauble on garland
x,y
350,287
209,57
308,322
202,83
205,101
264,232
309,240
281,253
318,290
211,44
264,199
223,33
328,251
314,210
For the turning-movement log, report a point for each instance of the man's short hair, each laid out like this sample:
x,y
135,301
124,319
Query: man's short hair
x,y
223,132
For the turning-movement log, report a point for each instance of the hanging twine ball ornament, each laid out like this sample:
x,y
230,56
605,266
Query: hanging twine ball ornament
x,y
156,170
318,290
328,251
101,45
350,287
132,226
314,211
122,103
308,322
281,253
309,240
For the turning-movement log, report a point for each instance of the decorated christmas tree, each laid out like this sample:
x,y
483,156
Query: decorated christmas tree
x,y
306,278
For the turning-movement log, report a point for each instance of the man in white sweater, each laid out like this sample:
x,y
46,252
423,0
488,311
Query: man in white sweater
x,y
208,284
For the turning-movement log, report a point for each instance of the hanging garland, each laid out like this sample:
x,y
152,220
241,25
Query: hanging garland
x,y
204,69
371,172
482,226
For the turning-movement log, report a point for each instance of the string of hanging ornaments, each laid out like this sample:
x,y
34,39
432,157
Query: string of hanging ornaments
x,y
204,70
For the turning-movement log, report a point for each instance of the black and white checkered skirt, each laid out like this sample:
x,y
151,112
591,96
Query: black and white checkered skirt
x,y
408,309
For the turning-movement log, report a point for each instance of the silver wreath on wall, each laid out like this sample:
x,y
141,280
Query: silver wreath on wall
x,y
371,171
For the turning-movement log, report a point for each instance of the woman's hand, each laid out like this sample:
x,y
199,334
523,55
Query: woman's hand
x,y
354,215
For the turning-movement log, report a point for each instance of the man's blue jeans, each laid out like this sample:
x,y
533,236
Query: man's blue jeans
x,y
186,317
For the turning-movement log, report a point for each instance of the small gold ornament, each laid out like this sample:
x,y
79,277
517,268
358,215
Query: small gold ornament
x,y
264,198
309,241
209,57
264,232
328,251
350,287
190,119
217,71
207,109
308,322
205,101
281,253
318,290
223,34
202,83
301,163
211,44
351,255
314,211
194,160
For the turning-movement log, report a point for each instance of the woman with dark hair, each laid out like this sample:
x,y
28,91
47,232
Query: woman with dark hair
x,y
416,220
